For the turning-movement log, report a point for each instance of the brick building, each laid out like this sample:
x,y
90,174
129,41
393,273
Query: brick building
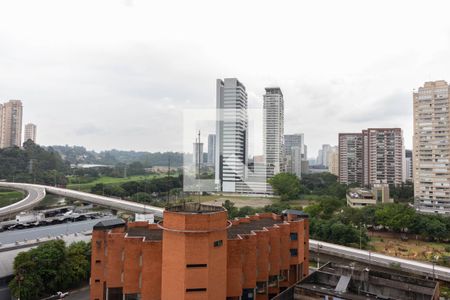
x,y
196,253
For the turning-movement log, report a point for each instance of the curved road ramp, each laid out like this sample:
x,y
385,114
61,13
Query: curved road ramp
x,y
36,193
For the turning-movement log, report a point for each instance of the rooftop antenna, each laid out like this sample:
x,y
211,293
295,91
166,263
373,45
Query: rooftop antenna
x,y
198,161
168,177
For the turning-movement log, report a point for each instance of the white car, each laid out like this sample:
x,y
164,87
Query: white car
x,y
62,295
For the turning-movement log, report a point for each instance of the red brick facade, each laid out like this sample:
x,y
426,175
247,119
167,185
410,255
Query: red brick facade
x,y
198,254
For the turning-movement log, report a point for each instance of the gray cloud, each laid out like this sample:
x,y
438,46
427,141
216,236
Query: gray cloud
x,y
123,82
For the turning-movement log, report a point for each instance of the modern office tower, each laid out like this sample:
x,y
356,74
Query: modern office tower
x,y
431,151
325,151
273,124
30,132
319,160
333,161
293,146
408,165
231,134
385,156
11,127
305,152
351,158
196,253
211,150
198,154
373,156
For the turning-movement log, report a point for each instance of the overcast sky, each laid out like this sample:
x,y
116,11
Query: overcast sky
x,y
118,74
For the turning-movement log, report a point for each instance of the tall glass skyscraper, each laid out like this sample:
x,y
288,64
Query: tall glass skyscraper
x,y
231,134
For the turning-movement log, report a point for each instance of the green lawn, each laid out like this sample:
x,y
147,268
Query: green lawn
x,y
111,180
8,197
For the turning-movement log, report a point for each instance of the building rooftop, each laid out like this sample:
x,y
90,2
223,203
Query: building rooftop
x,y
148,233
246,228
109,224
357,282
195,208
360,193
296,212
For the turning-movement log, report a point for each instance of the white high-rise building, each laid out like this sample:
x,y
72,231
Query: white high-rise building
x,y
431,144
211,150
325,152
11,124
333,160
231,134
30,132
273,130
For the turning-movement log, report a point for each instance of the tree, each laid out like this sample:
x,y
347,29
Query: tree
x,y
49,268
277,207
286,185
231,209
397,217
142,197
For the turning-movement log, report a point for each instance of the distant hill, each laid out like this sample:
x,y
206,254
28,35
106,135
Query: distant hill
x,y
80,155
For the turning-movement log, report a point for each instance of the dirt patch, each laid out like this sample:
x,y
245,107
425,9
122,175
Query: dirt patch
x,y
253,202
410,249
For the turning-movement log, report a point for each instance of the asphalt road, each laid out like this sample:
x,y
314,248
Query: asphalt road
x,y
11,236
81,294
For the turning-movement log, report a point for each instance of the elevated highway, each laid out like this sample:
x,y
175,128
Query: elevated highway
x,y
36,194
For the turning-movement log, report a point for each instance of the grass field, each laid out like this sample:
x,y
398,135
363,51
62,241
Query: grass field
x,y
111,180
8,197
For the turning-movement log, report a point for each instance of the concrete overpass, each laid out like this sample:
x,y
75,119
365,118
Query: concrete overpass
x,y
373,258
36,194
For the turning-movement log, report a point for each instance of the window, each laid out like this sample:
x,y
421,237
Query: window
x,y
218,243
196,290
294,252
196,265
294,236
97,280
98,261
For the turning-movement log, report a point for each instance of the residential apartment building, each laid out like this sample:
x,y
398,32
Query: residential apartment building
x,y
375,155
231,134
196,253
351,158
333,160
11,124
294,153
385,150
273,124
30,132
431,153
211,150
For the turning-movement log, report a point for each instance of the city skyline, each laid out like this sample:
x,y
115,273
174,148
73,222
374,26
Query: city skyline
x,y
93,85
